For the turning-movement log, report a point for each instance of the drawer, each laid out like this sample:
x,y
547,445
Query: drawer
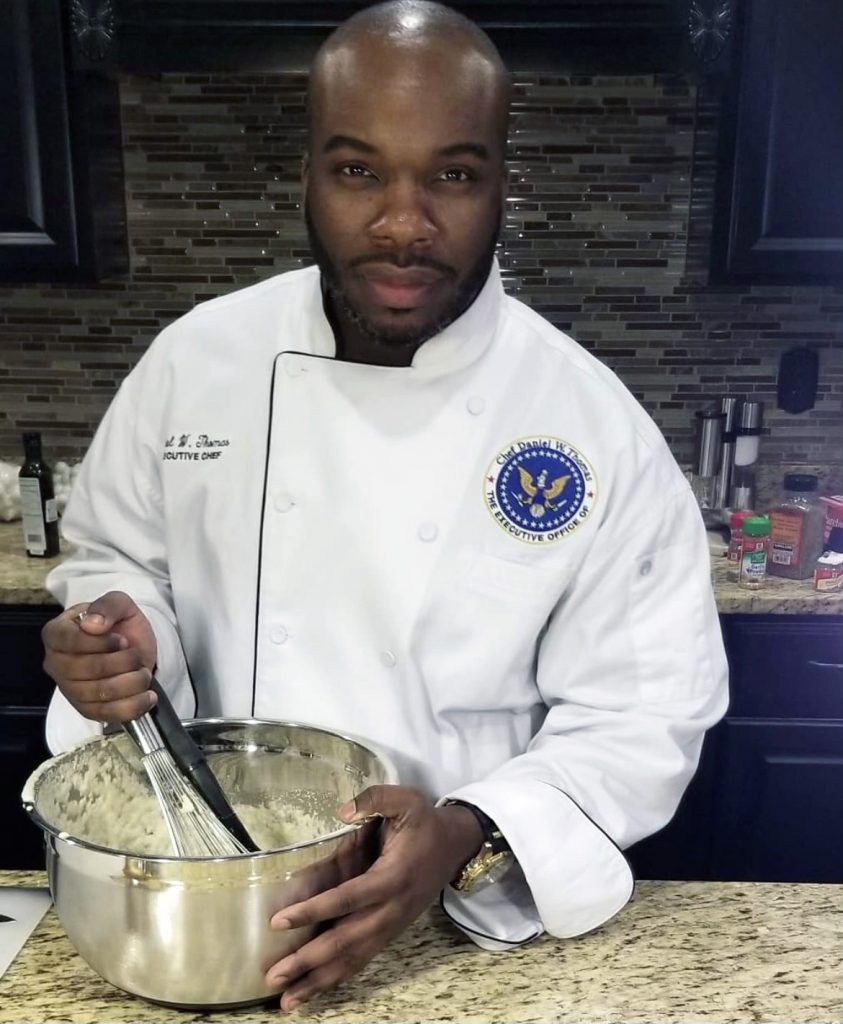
x,y
785,666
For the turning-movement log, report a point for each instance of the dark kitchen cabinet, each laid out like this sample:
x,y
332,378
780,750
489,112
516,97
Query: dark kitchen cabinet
x,y
781,816
62,211
779,204
24,694
767,801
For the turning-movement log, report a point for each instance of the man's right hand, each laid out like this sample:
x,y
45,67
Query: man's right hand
x,y
101,656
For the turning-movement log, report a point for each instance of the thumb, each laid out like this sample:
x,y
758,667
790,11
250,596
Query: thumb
x,y
382,802
104,613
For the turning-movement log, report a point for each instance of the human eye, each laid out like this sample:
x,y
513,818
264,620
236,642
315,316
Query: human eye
x,y
354,171
458,175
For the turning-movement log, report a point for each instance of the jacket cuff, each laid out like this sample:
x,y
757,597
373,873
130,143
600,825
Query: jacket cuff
x,y
577,877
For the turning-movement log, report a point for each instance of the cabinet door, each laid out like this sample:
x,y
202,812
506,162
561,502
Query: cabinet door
x,y
779,208
22,749
37,217
780,790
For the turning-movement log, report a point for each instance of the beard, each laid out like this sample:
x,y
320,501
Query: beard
x,y
397,337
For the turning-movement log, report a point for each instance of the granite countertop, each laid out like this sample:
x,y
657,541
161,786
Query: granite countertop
x,y
777,596
21,577
22,582
679,952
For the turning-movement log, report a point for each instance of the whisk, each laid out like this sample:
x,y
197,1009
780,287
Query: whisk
x,y
199,819
195,829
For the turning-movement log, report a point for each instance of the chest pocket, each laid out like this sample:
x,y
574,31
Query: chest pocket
x,y
477,636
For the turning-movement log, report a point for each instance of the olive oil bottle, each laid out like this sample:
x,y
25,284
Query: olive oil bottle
x,y
38,502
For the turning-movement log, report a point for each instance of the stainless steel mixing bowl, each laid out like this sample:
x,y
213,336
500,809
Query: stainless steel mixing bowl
x,y
195,933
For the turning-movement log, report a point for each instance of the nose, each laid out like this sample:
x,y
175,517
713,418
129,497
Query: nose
x,y
404,219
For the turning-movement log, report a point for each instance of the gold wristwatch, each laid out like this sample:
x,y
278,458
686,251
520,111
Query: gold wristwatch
x,y
491,861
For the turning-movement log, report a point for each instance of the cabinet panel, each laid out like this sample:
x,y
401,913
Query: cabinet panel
x,y
36,193
62,208
785,666
23,682
780,206
780,790
22,749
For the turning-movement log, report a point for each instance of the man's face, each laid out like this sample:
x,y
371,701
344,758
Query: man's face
x,y
404,187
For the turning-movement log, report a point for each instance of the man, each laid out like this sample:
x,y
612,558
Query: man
x,y
380,496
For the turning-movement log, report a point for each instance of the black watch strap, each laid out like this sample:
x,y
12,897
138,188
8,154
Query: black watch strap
x,y
491,833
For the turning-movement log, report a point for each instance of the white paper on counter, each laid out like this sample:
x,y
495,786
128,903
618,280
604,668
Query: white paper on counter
x,y
20,911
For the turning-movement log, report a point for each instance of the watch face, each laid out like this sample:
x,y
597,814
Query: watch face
x,y
482,870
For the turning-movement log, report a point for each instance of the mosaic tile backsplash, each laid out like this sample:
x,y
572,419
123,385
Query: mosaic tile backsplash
x,y
606,234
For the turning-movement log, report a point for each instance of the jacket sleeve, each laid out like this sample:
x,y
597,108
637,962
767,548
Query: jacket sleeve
x,y
114,519
633,671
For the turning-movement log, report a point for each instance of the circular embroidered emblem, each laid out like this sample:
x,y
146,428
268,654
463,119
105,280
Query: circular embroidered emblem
x,y
540,489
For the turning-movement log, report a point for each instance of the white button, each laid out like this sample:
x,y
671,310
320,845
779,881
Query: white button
x,y
428,531
646,567
278,634
475,405
388,659
284,502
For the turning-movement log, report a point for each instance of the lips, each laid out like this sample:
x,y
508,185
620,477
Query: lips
x,y
398,288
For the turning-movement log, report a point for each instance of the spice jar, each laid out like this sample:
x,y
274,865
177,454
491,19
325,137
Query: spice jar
x,y
828,571
754,545
797,527
736,521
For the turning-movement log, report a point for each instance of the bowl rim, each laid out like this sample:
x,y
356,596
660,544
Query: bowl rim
x,y
28,796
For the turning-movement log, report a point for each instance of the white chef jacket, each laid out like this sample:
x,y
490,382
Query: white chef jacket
x,y
487,563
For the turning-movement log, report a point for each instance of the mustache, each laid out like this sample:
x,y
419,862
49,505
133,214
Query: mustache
x,y
404,262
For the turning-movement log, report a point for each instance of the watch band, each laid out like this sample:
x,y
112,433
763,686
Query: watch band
x,y
492,835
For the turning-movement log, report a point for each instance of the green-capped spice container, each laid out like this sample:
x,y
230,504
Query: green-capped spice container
x,y
755,545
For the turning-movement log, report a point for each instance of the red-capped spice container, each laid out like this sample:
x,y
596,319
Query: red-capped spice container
x,y
754,549
733,555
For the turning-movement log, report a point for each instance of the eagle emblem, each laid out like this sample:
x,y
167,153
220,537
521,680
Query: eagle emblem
x,y
540,489
538,497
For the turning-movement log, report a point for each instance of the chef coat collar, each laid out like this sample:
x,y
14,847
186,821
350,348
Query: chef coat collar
x,y
459,344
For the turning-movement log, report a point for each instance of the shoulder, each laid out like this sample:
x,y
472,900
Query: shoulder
x,y
565,360
241,325
254,299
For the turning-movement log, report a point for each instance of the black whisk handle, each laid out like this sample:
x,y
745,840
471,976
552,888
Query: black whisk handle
x,y
189,757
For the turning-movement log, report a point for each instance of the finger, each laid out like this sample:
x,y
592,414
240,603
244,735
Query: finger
x,y
320,980
114,699
386,801
68,638
92,667
103,614
334,954
356,894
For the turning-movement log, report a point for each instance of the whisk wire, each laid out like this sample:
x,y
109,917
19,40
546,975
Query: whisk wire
x,y
194,829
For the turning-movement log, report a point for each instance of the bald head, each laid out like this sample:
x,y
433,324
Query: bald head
x,y
405,175
410,34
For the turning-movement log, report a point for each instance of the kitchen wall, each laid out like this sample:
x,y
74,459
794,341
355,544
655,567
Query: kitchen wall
x,y
607,235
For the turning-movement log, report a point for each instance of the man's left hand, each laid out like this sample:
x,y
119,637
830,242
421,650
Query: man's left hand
x,y
422,849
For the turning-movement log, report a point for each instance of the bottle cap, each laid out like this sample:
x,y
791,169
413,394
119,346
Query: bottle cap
x,y
800,482
835,539
738,518
756,526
